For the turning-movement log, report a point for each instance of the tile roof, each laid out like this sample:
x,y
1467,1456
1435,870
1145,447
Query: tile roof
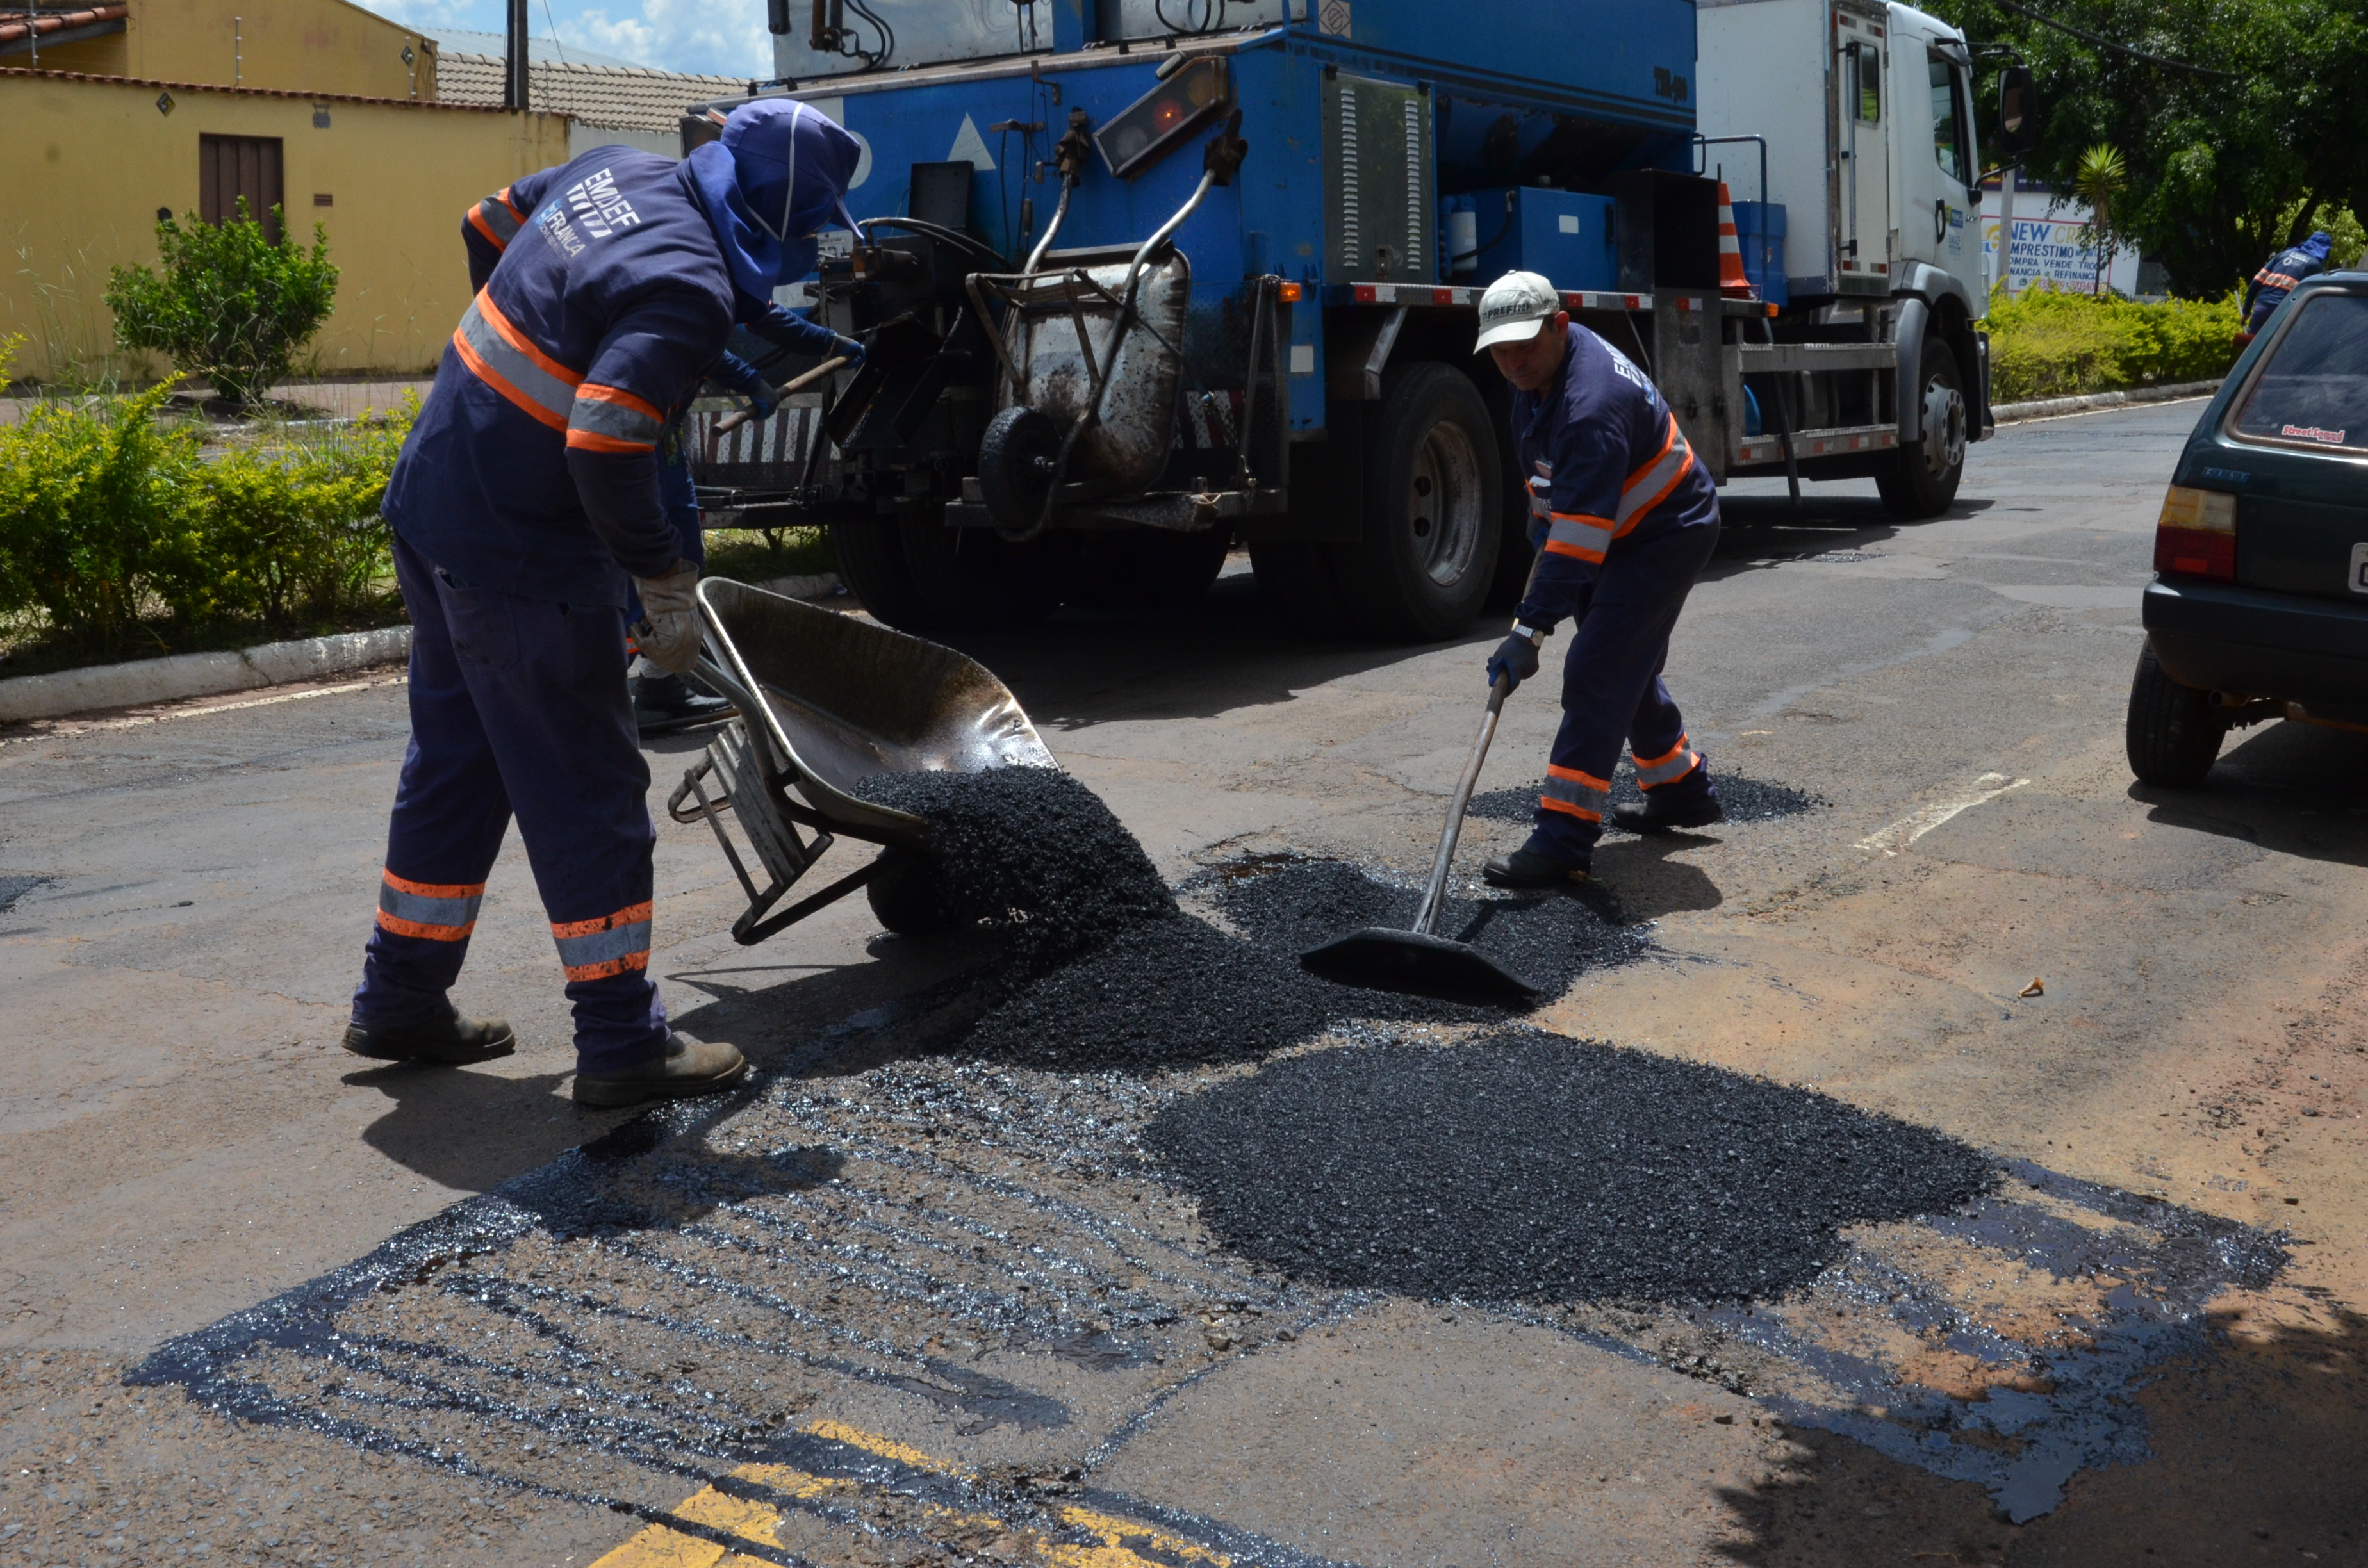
x,y
495,107
613,98
16,24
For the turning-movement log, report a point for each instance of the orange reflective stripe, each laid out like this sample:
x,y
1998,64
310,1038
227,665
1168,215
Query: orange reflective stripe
x,y
475,218
1650,484
612,944
438,911
517,340
1574,534
1669,767
541,397
1670,756
611,419
1578,793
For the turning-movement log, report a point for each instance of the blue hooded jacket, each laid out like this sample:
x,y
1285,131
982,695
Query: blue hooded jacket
x,y
2274,281
779,173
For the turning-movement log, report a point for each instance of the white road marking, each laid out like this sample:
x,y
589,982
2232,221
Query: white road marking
x,y
1915,824
57,728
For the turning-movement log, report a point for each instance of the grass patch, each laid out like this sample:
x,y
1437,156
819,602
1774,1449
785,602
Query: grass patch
x,y
760,555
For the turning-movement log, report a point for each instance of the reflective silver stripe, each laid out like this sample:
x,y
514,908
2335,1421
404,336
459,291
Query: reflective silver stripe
x,y
618,421
422,911
1674,768
1538,506
498,217
1651,484
1582,796
601,947
520,374
1578,536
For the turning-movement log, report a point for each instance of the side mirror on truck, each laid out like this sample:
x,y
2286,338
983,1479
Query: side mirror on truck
x,y
2019,116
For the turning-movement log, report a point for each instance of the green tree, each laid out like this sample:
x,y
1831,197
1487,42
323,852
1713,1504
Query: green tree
x,y
232,305
2267,124
2098,178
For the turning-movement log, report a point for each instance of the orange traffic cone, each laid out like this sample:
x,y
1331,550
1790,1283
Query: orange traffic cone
x,y
1732,282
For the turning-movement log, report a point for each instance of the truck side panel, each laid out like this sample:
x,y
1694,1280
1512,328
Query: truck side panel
x,y
1764,67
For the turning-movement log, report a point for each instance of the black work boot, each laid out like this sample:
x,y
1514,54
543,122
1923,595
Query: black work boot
x,y
1686,804
1533,865
668,702
455,1041
685,1069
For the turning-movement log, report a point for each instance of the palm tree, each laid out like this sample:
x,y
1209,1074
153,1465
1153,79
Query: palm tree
x,y
2102,172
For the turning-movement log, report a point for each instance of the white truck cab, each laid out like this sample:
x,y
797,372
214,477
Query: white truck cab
x,y
1866,109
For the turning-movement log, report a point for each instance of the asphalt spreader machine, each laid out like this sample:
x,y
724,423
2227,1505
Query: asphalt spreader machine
x,y
1143,279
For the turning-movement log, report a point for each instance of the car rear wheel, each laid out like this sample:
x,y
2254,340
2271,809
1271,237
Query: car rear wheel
x,y
1923,482
2174,734
1434,491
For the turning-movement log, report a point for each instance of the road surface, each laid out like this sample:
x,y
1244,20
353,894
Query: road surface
x,y
262,1302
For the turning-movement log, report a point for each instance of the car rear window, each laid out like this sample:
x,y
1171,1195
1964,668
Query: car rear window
x,y
2313,390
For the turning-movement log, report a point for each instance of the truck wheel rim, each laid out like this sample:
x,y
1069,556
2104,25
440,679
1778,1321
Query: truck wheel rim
x,y
1944,427
1444,502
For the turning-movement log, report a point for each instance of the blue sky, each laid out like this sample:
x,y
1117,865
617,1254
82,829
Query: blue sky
x,y
723,38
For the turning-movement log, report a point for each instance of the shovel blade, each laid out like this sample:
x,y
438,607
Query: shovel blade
x,y
1381,959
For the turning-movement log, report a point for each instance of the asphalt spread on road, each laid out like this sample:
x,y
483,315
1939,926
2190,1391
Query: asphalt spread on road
x,y
1524,1166
1744,800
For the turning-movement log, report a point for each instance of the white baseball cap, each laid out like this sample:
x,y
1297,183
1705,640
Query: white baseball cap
x,y
1515,308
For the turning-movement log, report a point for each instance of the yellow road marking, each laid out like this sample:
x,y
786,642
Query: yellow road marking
x,y
662,1546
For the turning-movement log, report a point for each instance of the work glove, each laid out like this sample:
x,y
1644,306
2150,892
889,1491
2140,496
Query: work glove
x,y
1516,656
852,350
670,635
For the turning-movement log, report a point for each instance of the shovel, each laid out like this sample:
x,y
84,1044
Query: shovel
x,y
1418,959
739,417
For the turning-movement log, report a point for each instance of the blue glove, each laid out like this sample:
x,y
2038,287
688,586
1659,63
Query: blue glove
x,y
853,352
733,372
1516,656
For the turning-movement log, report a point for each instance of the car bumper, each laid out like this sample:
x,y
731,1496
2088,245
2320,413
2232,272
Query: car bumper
x,y
2250,643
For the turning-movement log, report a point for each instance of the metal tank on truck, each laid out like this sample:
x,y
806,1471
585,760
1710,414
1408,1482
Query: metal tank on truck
x,y
1140,278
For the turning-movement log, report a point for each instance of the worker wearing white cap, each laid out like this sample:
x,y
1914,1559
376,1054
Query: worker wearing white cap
x,y
1622,517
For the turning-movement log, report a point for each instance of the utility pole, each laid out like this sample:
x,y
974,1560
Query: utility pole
x,y
514,79
2006,229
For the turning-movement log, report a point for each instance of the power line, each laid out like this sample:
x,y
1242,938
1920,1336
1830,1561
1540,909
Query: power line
x,y
2117,47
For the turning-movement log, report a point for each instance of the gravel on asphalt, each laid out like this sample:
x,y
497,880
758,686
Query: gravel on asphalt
x,y
1522,1166
1745,800
1034,852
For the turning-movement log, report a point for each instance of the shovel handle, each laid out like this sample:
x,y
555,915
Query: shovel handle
x,y
1434,891
739,417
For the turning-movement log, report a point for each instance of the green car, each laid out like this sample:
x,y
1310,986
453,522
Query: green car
x,y
2259,609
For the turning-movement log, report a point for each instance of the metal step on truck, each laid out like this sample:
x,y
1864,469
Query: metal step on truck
x,y
1142,279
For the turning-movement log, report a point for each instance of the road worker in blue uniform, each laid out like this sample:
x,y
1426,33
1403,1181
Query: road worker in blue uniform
x,y
2280,276
1623,517
525,503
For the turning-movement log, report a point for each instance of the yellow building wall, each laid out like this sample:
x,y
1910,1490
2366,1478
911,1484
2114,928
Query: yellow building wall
x,y
89,163
295,46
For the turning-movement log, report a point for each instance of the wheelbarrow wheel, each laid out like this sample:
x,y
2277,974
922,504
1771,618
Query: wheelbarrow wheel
x,y
907,895
1016,458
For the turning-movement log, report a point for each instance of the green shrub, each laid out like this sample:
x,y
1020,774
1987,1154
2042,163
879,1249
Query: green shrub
x,y
97,504
115,531
292,532
230,305
2046,344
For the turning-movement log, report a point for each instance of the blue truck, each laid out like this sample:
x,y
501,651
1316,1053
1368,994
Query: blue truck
x,y
1141,279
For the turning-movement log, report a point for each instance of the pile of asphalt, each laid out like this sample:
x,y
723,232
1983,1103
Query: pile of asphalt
x,y
1104,972
1521,1166
1033,852
1744,800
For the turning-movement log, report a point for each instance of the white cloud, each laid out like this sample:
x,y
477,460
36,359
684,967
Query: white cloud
x,y
675,35
482,15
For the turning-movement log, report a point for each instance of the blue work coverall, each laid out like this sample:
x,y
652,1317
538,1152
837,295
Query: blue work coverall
x,y
526,492
2280,276
1623,517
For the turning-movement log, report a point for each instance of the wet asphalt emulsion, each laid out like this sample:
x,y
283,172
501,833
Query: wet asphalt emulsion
x,y
1744,800
1523,1166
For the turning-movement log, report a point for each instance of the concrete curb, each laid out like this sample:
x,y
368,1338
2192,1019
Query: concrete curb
x,y
2049,407
144,681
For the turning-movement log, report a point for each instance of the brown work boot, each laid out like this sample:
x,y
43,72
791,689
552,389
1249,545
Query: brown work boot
x,y
455,1041
685,1069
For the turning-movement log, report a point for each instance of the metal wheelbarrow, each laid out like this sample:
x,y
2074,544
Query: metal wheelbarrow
x,y
822,701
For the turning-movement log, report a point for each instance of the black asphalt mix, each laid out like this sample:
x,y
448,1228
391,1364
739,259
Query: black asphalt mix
x,y
1744,800
1527,1167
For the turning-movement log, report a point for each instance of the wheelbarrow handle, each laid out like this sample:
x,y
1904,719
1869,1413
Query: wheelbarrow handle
x,y
739,417
1433,892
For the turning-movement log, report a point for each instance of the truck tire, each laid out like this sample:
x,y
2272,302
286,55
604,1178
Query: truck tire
x,y
1923,483
906,896
1434,490
1146,568
968,580
872,564
2173,734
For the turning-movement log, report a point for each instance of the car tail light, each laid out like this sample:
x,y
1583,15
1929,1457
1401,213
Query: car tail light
x,y
2197,534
